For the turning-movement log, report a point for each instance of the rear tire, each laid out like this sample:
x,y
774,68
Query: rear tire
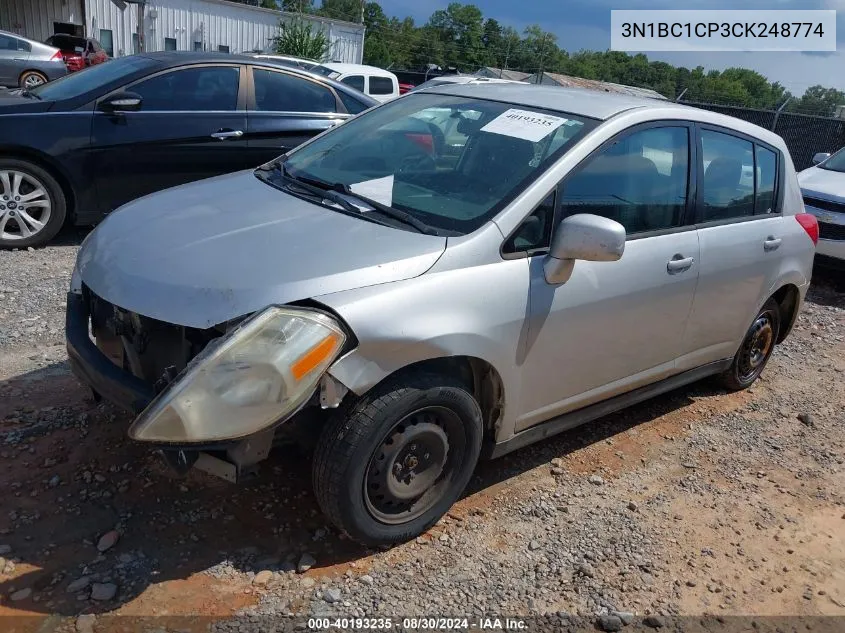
x,y
756,349
32,204
388,468
32,78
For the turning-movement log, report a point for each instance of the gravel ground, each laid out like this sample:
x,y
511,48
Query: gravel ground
x,y
696,502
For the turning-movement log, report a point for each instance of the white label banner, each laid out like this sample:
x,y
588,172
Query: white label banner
x,y
715,30
524,124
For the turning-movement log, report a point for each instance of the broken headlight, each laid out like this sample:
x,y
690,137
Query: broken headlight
x,y
259,373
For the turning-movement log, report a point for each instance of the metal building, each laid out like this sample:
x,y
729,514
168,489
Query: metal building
x,y
210,25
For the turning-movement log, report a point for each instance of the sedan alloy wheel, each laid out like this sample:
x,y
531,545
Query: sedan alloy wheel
x,y
25,205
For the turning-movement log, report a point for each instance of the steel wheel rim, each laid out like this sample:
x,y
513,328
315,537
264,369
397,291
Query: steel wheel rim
x,y
25,205
413,465
32,81
756,347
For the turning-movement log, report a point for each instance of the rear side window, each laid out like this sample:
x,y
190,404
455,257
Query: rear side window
x,y
205,88
381,86
352,105
728,186
640,181
280,92
766,172
354,81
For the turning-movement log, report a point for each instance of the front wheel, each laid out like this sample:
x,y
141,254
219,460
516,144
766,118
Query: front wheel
x,y
32,204
756,349
389,468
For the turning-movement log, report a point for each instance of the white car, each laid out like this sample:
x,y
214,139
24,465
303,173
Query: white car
x,y
823,188
382,85
464,79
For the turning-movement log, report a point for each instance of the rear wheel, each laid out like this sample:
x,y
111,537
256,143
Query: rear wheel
x,y
756,349
32,204
31,79
390,467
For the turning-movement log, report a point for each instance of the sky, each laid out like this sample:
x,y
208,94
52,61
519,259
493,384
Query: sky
x,y
585,24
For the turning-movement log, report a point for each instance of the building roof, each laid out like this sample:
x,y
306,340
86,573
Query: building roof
x,y
490,71
605,86
589,103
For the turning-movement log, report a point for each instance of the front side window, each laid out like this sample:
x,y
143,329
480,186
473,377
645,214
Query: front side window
x,y
280,92
728,187
381,86
354,81
77,84
399,155
352,105
203,88
640,181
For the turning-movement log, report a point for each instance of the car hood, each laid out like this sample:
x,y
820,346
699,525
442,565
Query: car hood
x,y
826,182
16,104
201,254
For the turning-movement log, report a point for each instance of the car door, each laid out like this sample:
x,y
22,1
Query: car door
x,y
190,126
613,326
13,56
285,110
740,228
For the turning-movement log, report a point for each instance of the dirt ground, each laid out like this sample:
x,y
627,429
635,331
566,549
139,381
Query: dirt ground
x,y
697,502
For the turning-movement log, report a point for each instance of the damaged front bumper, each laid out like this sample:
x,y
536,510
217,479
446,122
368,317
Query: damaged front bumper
x,y
231,458
95,369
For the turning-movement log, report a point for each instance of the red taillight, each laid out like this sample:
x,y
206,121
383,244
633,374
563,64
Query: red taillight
x,y
57,55
810,224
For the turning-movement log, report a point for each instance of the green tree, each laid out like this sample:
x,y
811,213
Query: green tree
x,y
297,6
299,38
269,4
349,10
818,100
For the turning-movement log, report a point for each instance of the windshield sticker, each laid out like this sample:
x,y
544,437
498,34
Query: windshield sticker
x,y
379,190
524,124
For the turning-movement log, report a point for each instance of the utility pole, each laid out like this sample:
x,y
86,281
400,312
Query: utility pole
x,y
542,60
362,11
507,55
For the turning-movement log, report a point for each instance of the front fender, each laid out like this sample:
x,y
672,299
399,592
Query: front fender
x,y
478,312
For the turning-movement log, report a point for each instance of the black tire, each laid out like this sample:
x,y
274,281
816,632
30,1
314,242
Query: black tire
x,y
54,194
412,408
28,78
755,350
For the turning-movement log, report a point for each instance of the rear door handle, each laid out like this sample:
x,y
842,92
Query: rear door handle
x,y
771,243
679,263
224,134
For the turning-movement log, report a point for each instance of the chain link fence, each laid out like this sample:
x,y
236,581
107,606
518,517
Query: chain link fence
x,y
805,134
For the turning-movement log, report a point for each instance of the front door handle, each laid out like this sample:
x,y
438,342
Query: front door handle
x,y
771,243
224,134
679,263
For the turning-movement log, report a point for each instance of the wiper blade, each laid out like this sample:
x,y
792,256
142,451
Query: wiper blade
x,y
391,212
327,194
334,189
29,95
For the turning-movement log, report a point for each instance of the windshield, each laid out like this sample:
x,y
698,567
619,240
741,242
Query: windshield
x,y
835,162
451,162
78,83
434,82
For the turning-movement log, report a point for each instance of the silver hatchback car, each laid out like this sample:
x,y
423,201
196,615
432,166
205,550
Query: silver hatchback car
x,y
409,305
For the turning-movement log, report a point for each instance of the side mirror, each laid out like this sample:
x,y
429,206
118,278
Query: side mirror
x,y
583,236
121,102
820,157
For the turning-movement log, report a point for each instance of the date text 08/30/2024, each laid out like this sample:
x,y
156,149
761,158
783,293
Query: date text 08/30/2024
x,y
417,624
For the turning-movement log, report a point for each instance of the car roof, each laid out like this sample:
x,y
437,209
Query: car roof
x,y
596,105
171,59
358,68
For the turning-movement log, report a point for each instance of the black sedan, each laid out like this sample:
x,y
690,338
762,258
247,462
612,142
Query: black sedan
x,y
76,148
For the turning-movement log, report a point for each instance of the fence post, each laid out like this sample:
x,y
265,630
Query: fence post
x,y
777,113
680,96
